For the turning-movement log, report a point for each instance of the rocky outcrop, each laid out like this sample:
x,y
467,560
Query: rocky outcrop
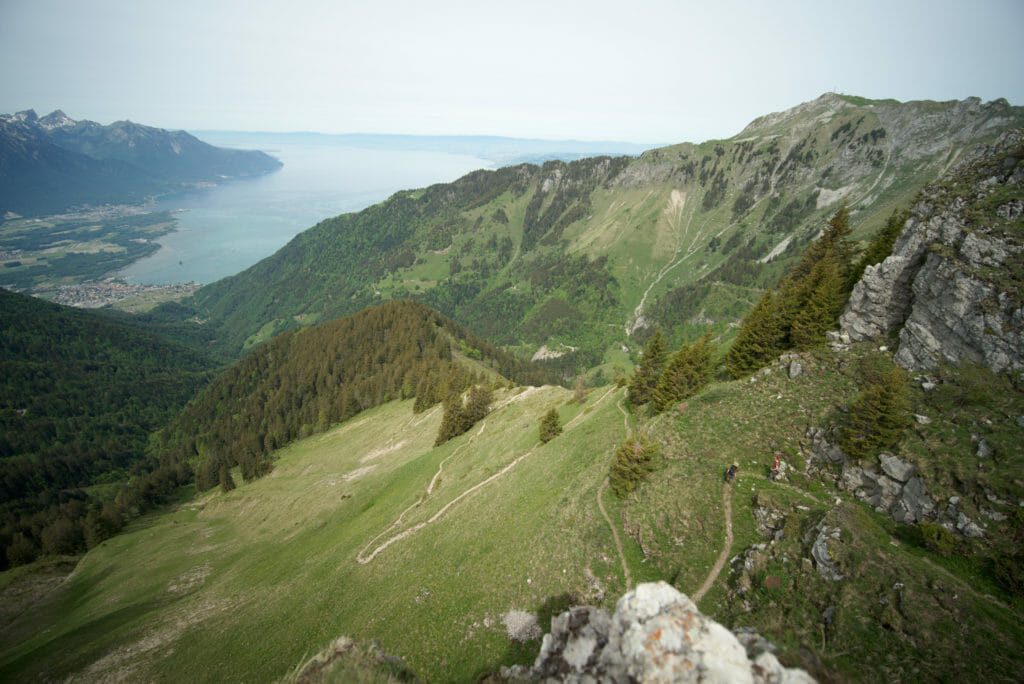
x,y
656,635
897,490
952,285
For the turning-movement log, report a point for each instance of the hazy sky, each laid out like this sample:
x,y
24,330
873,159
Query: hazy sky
x,y
652,71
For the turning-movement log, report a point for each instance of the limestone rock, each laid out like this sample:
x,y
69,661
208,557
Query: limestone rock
x,y
896,468
822,448
946,286
656,635
822,556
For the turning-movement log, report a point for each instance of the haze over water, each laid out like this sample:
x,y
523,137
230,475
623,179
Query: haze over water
x,y
227,228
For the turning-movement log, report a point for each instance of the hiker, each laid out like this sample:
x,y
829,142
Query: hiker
x,y
774,472
731,473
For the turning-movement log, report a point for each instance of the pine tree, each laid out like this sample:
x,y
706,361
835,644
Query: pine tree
x,y
686,374
760,338
827,293
451,421
808,302
635,458
648,371
227,483
879,416
880,246
815,290
549,427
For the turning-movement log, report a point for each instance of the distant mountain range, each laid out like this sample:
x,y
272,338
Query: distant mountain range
x,y
499,150
53,163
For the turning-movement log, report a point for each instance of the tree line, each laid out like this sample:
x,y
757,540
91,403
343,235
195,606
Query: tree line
x,y
302,382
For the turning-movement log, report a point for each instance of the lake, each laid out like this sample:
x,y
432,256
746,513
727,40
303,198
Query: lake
x,y
225,229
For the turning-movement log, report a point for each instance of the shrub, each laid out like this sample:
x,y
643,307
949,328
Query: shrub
x,y
635,458
879,415
937,538
1009,570
549,427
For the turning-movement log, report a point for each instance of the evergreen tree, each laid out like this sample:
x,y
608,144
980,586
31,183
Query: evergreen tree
x,y
549,426
648,371
880,246
879,416
815,290
477,405
809,300
634,459
760,338
451,421
227,483
686,374
827,294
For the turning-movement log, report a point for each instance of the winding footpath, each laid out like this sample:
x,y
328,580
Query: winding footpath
x,y
726,545
604,513
365,556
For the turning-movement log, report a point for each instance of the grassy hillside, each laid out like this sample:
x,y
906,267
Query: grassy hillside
x,y
576,257
371,532
244,585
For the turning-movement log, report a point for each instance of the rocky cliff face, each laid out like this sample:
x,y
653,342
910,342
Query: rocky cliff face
x,y
953,284
656,635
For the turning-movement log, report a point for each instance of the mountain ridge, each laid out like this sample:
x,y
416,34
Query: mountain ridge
x,y
710,225
51,163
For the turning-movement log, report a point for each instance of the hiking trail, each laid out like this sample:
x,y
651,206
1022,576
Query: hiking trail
x,y
604,513
363,557
726,547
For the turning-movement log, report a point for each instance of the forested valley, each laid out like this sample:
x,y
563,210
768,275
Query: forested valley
x,y
79,399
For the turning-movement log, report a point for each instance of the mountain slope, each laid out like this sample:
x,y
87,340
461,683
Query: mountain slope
x,y
369,531
577,257
78,400
305,382
52,163
895,565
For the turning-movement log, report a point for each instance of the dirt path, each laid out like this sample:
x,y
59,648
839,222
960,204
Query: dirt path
x,y
615,534
604,513
363,557
726,548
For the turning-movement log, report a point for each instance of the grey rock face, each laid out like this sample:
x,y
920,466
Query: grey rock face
x,y
656,635
946,287
822,555
822,449
896,468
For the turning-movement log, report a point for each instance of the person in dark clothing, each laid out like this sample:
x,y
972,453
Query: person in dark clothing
x,y
731,473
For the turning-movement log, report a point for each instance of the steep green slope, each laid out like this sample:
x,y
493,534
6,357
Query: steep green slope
x,y
244,585
576,257
371,532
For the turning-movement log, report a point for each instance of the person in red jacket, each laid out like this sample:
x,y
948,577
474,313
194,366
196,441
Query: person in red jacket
x,y
774,472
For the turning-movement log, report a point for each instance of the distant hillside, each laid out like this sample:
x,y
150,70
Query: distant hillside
x,y
576,260
52,163
79,397
303,382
